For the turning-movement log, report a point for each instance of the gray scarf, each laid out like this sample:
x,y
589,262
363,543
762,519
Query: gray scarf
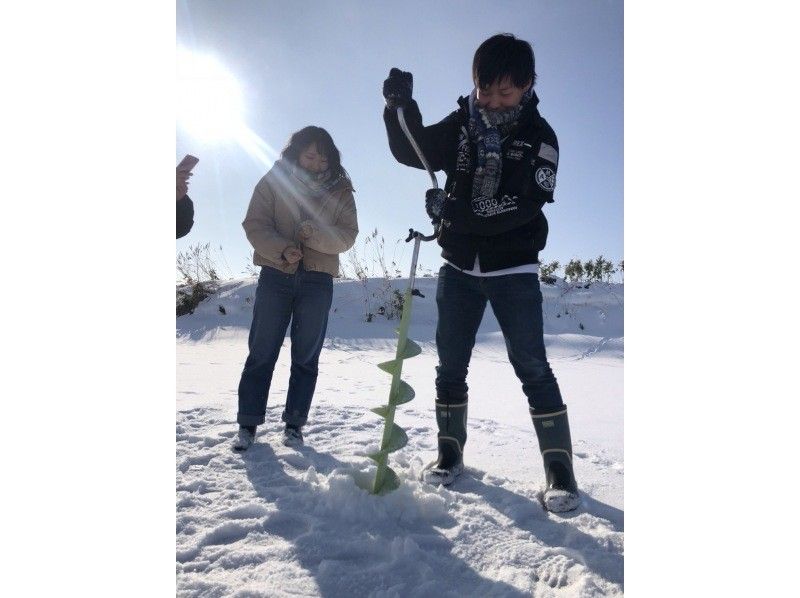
x,y
487,128
315,184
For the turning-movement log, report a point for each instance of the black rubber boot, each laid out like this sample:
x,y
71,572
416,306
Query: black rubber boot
x,y
555,443
451,418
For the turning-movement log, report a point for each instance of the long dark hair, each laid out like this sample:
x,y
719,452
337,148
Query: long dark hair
x,y
301,139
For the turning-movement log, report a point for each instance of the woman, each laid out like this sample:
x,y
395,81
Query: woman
x,y
301,217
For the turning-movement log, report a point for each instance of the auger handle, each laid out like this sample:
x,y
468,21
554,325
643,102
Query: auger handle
x,y
415,234
402,119
412,234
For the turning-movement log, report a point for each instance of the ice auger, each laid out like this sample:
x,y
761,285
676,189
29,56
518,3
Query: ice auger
x,y
394,437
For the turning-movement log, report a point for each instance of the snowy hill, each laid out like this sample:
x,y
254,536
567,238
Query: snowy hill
x,y
276,521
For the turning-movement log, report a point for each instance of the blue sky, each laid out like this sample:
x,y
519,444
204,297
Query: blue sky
x,y
324,63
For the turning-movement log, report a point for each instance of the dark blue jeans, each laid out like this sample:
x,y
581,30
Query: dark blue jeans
x,y
516,300
304,298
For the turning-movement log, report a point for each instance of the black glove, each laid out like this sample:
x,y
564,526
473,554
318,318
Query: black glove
x,y
397,88
434,202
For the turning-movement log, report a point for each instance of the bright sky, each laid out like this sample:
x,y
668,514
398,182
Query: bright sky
x,y
324,63
85,156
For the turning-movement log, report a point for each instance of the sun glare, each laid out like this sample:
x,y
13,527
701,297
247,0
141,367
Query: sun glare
x,y
211,109
209,99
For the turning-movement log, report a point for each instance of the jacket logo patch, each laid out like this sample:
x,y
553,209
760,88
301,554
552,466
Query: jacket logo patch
x,y
546,178
514,154
462,154
549,153
487,207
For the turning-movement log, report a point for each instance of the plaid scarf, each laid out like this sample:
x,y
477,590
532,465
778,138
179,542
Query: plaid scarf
x,y
487,128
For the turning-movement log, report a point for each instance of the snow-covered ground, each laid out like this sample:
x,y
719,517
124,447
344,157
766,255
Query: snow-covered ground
x,y
277,521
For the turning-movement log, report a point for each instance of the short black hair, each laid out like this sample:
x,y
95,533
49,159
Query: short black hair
x,y
501,56
302,139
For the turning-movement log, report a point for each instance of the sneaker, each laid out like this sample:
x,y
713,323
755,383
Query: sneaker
x,y
292,436
245,438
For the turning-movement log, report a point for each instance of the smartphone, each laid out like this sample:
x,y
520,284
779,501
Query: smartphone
x,y
188,163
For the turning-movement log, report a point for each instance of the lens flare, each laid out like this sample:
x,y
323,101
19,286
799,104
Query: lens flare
x,y
209,98
211,107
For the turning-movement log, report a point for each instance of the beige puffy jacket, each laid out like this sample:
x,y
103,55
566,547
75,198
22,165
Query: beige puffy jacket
x,y
278,208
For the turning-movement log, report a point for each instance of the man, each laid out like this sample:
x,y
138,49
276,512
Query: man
x,y
500,157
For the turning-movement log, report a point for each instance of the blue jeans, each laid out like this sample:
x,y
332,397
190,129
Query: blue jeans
x,y
304,298
516,300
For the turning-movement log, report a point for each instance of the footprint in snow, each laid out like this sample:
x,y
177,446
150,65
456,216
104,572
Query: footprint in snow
x,y
203,460
248,511
296,460
554,571
286,525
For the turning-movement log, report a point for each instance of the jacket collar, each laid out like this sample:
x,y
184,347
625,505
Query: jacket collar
x,y
282,169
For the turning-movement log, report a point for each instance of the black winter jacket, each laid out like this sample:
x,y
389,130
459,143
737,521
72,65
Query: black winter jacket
x,y
184,216
505,231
